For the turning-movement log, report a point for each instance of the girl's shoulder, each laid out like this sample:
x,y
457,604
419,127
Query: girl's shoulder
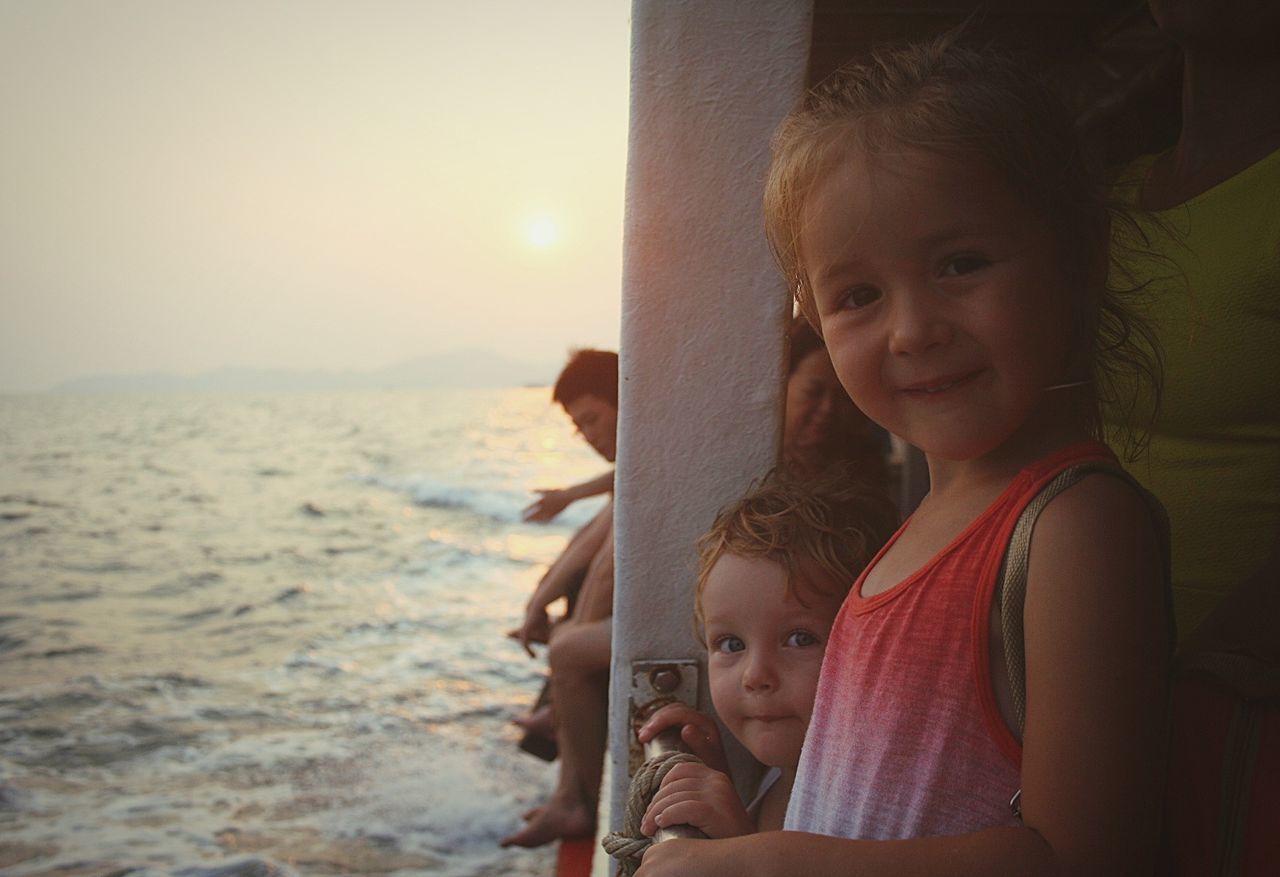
x,y
1101,509
1099,541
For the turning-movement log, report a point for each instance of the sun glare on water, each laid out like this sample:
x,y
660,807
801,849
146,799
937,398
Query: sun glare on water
x,y
542,232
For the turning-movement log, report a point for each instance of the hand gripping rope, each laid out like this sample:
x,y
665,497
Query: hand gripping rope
x,y
628,846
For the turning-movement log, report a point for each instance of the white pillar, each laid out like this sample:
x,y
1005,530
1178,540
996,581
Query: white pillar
x,y
703,311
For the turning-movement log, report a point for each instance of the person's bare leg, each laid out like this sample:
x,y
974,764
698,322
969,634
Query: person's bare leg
x,y
538,721
579,657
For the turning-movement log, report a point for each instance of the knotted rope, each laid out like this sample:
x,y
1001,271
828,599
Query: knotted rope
x,y
628,845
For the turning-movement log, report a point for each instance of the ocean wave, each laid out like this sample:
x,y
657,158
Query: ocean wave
x,y
243,868
182,585
100,748
428,492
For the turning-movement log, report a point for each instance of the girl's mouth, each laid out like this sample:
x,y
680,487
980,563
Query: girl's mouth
x,y
935,386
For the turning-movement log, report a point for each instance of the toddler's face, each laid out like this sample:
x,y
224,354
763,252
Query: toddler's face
x,y
764,652
942,298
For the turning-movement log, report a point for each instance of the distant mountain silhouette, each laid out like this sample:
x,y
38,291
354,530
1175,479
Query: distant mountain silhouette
x,y
460,368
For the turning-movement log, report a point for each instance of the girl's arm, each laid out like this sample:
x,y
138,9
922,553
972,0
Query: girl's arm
x,y
552,502
1097,656
1093,757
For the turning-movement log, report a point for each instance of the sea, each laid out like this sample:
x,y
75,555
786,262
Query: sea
x,y
253,635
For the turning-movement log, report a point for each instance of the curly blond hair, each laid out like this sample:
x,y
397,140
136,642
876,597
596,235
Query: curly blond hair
x,y
836,523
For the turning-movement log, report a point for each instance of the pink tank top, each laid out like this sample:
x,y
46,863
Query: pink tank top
x,y
906,739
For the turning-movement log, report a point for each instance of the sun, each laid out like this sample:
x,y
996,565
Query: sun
x,y
542,232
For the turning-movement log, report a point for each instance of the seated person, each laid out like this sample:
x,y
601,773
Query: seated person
x,y
579,646
772,572
587,389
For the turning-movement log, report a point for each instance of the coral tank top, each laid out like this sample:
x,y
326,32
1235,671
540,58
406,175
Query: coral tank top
x,y
906,740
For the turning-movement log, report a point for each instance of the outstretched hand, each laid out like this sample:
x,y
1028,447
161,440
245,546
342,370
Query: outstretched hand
x,y
550,502
698,731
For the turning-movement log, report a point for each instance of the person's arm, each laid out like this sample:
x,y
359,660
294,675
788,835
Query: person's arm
x,y
1093,756
559,578
552,501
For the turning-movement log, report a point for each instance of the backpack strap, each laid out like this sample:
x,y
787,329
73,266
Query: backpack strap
x,y
1011,584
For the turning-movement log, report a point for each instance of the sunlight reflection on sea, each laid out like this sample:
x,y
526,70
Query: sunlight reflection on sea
x,y
266,632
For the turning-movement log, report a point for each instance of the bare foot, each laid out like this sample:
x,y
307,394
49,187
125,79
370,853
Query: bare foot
x,y
540,721
556,820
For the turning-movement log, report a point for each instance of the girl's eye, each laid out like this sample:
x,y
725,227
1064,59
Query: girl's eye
x,y
859,297
958,266
801,638
729,644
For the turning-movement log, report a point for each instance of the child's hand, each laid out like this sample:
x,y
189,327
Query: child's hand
x,y
693,794
698,732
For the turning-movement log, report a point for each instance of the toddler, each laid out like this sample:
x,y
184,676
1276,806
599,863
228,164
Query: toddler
x,y
772,571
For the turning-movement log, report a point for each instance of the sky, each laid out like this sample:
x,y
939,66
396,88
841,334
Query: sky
x,y
190,184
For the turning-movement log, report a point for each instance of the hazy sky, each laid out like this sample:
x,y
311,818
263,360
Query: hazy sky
x,y
306,183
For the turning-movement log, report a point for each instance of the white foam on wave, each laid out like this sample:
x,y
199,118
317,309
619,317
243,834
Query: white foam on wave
x,y
454,794
501,505
430,492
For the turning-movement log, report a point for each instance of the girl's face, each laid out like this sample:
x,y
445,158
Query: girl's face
x,y
942,300
764,653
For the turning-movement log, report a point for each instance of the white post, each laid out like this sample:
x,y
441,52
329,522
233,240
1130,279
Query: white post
x,y
703,311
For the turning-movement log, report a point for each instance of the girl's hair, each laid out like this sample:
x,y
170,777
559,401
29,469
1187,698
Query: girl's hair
x,y
834,524
976,104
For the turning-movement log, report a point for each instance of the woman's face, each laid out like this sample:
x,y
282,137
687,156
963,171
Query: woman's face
x,y
814,402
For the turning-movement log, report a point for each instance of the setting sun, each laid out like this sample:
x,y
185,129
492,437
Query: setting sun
x,y
542,232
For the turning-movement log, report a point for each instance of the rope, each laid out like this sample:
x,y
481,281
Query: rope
x,y
628,846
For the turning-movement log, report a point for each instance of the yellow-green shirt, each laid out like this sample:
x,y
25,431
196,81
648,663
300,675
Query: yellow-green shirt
x,y
1214,456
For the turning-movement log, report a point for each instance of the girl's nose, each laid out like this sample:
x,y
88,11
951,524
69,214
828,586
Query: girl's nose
x,y
918,324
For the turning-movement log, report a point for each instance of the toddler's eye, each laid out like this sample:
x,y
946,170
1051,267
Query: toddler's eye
x,y
801,638
966,264
859,297
729,644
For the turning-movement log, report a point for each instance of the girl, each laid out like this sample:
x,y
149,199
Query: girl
x,y
931,211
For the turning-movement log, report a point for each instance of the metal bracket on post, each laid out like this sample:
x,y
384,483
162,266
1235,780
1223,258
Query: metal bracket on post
x,y
654,684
